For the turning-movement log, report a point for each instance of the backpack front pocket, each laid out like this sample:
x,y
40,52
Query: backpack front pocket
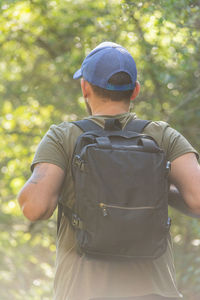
x,y
127,232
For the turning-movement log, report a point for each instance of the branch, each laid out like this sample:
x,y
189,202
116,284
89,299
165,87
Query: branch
x,y
38,41
42,44
27,134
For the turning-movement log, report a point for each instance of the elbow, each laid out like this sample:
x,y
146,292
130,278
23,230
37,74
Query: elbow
x,y
33,214
31,209
37,215
30,216
26,207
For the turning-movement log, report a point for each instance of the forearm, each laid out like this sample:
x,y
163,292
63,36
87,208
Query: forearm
x,y
185,175
177,201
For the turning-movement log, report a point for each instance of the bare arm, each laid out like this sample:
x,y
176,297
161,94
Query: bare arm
x,y
38,198
185,175
176,201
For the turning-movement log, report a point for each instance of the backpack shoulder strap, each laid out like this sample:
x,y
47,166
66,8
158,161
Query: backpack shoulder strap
x,y
137,125
87,125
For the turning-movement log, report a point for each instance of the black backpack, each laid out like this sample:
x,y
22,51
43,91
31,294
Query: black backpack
x,y
121,188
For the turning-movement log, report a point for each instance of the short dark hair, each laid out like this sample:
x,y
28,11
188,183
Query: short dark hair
x,y
119,78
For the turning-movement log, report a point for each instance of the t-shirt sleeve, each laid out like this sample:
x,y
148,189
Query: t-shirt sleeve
x,y
52,149
176,144
170,140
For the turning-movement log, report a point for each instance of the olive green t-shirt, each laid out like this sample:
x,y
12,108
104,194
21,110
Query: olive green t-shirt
x,y
82,277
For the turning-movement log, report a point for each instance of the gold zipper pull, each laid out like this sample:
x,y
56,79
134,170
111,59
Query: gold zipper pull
x,y
104,210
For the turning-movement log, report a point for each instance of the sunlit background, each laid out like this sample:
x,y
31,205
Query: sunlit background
x,y
42,43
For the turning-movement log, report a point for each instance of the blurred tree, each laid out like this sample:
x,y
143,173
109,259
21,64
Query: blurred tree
x,y
42,44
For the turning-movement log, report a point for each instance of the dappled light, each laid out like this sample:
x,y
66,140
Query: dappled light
x,y
42,44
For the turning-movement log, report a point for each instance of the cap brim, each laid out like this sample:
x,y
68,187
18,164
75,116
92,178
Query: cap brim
x,y
77,74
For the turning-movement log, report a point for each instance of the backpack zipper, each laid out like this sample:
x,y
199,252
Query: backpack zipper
x,y
103,206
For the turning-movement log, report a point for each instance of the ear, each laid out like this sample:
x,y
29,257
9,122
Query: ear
x,y
83,88
135,91
86,89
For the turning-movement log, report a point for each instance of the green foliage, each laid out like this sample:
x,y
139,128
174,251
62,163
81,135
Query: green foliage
x,y
42,44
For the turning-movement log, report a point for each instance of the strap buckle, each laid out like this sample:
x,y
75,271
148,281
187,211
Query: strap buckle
x,y
79,162
76,222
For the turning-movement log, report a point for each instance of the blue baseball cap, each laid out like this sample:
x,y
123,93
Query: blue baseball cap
x,y
104,61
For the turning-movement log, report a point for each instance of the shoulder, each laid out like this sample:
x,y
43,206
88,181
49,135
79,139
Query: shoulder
x,y
64,132
157,126
169,139
57,145
157,130
64,128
